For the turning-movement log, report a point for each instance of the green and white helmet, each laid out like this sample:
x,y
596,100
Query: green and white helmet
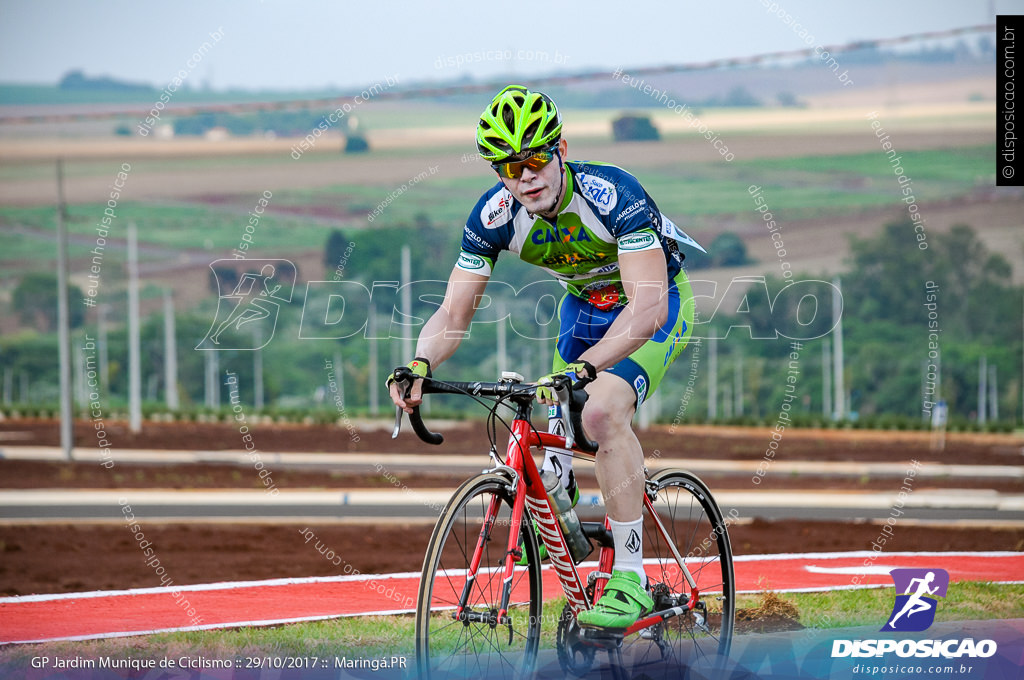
x,y
515,121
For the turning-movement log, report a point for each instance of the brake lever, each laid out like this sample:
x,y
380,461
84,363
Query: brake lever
x,y
562,392
403,387
398,422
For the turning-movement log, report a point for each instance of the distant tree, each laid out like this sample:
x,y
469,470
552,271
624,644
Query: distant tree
x,y
334,250
788,99
77,80
728,250
35,300
740,96
227,276
356,143
634,128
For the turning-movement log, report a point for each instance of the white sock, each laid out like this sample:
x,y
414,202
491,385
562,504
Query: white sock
x,y
629,547
557,461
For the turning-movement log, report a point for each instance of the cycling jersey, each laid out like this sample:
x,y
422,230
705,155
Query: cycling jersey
x,y
605,212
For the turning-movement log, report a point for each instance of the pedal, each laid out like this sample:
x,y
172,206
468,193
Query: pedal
x,y
602,637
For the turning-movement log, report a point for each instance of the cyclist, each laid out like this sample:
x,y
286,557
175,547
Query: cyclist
x,y
626,314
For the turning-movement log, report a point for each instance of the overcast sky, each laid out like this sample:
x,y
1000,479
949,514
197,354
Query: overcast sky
x,y
307,44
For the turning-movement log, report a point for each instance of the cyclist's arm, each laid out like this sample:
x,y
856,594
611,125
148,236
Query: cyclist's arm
x,y
444,330
645,281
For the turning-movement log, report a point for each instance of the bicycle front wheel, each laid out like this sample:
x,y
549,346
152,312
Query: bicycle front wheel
x,y
692,523
474,643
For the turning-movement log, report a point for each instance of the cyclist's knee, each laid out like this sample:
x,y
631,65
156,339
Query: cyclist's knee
x,y
604,416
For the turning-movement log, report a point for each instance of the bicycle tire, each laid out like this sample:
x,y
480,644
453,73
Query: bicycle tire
x,y
456,649
700,533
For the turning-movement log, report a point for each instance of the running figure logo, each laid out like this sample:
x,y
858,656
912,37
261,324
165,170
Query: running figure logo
x,y
252,304
914,610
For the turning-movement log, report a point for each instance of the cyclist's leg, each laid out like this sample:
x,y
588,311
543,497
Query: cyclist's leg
x,y
579,323
645,368
607,418
619,466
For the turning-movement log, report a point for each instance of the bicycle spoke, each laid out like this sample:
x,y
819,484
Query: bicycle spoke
x,y
694,525
470,647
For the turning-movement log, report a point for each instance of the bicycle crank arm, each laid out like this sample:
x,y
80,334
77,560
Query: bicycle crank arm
x,y
664,615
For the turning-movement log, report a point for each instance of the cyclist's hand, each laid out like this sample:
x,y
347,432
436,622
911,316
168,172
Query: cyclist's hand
x,y
408,400
545,385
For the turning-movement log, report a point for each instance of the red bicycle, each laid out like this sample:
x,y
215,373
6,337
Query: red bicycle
x,y
480,615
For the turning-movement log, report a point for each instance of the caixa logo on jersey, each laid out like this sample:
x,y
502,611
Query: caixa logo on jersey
x,y
914,611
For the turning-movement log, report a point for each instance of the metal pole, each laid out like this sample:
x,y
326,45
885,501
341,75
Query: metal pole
x,y
826,378
993,399
738,380
374,387
134,340
982,390
77,374
63,321
170,355
502,346
837,356
712,378
407,350
257,368
103,349
339,376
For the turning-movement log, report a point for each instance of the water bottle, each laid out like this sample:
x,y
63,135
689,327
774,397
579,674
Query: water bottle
x,y
561,505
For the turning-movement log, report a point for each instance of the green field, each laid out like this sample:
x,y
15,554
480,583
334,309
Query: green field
x,y
797,188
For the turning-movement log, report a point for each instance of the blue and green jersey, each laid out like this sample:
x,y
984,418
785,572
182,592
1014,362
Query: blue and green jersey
x,y
604,214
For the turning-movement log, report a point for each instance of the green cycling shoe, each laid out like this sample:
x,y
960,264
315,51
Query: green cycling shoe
x,y
624,601
574,492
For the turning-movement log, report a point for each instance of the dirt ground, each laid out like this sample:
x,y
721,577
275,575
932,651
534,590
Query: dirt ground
x,y
469,438
57,557
54,558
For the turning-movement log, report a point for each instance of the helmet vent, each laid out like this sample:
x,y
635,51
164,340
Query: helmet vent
x,y
509,117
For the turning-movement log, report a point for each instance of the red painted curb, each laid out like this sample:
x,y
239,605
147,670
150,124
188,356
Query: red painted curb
x,y
38,618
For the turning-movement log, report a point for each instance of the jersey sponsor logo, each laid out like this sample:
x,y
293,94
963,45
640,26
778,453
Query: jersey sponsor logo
x,y
605,297
473,236
470,261
637,241
631,210
498,210
549,234
607,269
640,384
567,259
598,191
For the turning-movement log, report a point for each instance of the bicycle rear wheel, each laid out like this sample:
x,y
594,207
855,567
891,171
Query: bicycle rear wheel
x,y
699,638
476,645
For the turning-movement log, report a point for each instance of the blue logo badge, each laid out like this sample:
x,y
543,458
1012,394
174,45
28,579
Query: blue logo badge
x,y
914,610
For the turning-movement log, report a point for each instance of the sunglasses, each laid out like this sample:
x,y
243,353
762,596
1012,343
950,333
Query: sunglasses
x,y
536,162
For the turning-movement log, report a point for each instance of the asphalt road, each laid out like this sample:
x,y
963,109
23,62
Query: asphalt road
x,y
424,505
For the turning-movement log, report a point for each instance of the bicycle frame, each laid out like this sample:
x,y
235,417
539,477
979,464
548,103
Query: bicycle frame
x,y
529,493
